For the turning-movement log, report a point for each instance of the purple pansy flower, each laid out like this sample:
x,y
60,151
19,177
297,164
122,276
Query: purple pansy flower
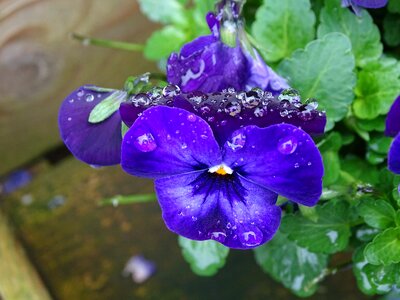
x,y
217,176
208,64
393,129
356,5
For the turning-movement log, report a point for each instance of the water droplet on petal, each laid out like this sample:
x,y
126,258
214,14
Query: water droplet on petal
x,y
89,98
184,146
250,99
305,115
251,238
311,104
80,93
191,118
233,108
238,141
140,100
71,100
260,112
218,236
287,145
205,109
171,90
296,165
145,143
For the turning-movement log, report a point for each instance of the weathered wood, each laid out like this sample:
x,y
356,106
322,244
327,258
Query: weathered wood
x,y
40,64
82,248
18,279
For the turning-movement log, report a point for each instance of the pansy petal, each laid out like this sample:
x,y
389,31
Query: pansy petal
x,y
228,209
95,144
370,3
164,141
394,156
281,157
393,119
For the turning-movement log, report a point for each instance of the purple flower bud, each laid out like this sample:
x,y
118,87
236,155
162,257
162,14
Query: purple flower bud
x,y
224,59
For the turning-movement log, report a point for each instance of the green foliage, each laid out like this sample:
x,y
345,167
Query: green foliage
x,y
377,213
362,32
385,248
295,267
128,199
328,234
324,70
394,6
205,257
157,46
280,30
166,11
391,25
378,84
374,279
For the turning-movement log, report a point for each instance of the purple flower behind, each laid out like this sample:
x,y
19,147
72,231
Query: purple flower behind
x,y
393,129
209,65
356,5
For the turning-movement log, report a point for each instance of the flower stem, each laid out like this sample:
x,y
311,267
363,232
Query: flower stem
x,y
107,43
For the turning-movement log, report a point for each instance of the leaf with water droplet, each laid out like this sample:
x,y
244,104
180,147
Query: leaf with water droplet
x,y
295,267
107,107
329,234
205,257
385,248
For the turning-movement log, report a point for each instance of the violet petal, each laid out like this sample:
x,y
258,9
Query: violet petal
x,y
230,210
165,141
281,158
394,156
393,119
95,144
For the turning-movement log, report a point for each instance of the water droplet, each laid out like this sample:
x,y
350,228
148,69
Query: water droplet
x,y
145,143
191,118
171,90
204,137
251,238
197,97
89,98
69,119
194,219
233,108
80,93
155,94
238,141
140,100
228,225
296,165
184,146
71,100
290,95
284,113
205,109
218,236
250,99
305,115
287,145
211,119
309,163
285,103
311,104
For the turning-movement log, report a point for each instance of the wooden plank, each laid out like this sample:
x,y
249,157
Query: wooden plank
x,y
18,279
81,248
40,64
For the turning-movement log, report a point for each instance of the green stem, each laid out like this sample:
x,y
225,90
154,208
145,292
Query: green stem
x,y
107,43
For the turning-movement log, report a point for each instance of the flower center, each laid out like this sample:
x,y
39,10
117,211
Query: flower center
x,y
221,169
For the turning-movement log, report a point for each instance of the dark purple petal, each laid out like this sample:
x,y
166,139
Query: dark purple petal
x,y
228,209
207,64
229,111
370,3
393,119
394,156
165,141
281,158
95,144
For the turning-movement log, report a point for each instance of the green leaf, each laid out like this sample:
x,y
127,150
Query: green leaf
x,y
376,213
366,233
205,257
377,124
128,199
107,107
124,129
394,6
329,234
163,42
375,158
283,26
360,169
385,248
332,167
380,144
391,26
202,7
295,267
378,85
324,71
362,32
165,11
373,279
